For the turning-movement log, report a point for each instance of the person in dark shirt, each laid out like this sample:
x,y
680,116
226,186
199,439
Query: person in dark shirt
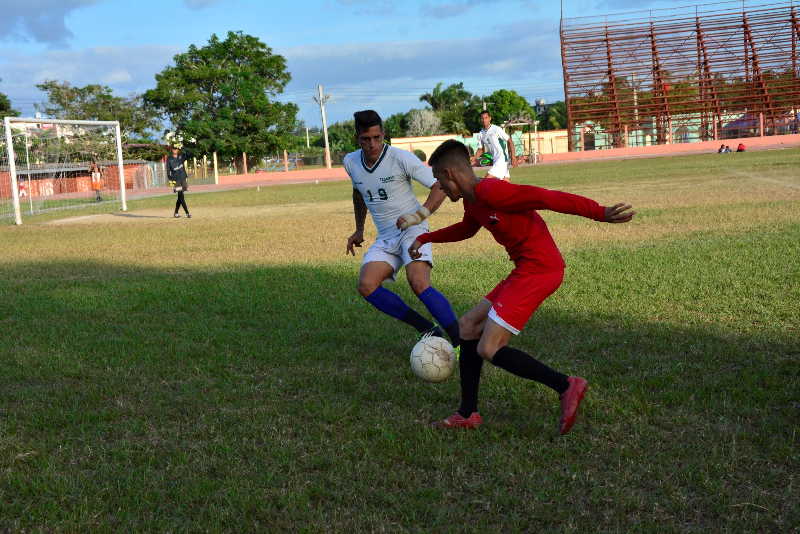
x,y
509,213
176,174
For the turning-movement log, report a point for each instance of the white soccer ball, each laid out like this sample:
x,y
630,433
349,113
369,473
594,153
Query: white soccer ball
x,y
433,359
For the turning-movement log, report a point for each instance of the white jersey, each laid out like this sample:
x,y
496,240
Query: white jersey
x,y
386,186
495,141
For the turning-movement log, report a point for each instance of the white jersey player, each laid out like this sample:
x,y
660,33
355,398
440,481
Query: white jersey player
x,y
382,183
499,144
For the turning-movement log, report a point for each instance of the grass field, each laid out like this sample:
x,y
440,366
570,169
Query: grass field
x,y
222,374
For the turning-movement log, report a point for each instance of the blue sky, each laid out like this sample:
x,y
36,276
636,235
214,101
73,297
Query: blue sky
x,y
376,54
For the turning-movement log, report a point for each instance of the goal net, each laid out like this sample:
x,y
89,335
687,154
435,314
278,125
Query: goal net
x,y
48,165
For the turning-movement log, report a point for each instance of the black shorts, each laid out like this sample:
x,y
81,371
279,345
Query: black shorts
x,y
184,184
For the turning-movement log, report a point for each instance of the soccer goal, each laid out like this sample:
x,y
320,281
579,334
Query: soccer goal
x,y
53,164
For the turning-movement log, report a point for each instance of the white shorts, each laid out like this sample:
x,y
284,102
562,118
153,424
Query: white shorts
x,y
394,250
500,170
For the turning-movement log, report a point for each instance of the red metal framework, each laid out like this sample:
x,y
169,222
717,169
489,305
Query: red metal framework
x,y
695,73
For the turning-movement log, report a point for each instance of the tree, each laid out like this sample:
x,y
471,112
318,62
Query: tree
x,y
505,104
5,107
423,122
555,117
396,125
452,105
341,137
452,98
97,103
223,95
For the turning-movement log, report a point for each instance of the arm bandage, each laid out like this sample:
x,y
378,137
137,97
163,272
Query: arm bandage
x,y
410,219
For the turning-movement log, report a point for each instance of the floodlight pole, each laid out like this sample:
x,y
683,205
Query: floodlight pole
x,y
12,170
321,99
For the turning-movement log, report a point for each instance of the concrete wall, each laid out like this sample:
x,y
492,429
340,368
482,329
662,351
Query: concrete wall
x,y
547,142
81,183
427,144
772,141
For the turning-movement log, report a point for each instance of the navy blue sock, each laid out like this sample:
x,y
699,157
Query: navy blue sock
x,y
441,310
391,304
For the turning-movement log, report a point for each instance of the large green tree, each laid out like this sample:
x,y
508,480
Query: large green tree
x,y
223,94
97,103
503,105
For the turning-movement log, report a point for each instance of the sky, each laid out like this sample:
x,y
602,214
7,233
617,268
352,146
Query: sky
x,y
377,54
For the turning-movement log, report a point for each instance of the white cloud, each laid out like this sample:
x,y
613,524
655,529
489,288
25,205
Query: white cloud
x,y
117,76
390,76
502,65
499,50
40,20
124,69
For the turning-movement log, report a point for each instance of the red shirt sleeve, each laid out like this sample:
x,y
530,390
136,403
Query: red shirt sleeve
x,y
464,229
505,196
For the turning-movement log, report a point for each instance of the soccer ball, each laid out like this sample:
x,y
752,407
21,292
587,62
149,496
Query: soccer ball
x,y
433,359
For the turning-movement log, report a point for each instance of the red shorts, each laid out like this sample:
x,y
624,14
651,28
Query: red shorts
x,y
516,298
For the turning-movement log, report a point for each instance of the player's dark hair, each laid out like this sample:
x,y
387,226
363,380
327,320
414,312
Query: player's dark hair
x,y
484,112
449,153
366,119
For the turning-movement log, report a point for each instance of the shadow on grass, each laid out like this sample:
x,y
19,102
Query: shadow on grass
x,y
283,378
308,323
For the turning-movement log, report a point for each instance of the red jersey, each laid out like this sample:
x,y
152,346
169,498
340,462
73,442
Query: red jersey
x,y
508,211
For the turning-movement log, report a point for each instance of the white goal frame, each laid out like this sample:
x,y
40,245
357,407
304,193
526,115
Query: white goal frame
x,y
12,165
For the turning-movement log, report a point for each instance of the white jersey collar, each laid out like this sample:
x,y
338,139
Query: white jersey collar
x,y
377,162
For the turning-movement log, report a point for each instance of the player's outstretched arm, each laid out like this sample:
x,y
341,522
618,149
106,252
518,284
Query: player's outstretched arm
x,y
515,198
360,211
432,203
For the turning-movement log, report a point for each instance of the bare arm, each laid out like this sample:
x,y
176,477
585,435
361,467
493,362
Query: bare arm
x,y
511,152
432,203
435,198
459,231
360,212
478,155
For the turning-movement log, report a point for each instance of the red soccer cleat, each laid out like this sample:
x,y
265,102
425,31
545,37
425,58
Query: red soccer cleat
x,y
570,400
458,421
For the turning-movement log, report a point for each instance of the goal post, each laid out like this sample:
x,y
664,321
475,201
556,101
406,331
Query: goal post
x,y
12,171
65,161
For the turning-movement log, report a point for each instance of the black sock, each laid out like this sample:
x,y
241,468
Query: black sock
x,y
453,333
417,321
524,365
469,366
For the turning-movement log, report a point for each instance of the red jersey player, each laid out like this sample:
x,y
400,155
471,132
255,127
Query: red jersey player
x,y
508,211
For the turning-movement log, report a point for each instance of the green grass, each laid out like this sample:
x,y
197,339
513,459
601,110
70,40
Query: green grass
x,y
221,374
